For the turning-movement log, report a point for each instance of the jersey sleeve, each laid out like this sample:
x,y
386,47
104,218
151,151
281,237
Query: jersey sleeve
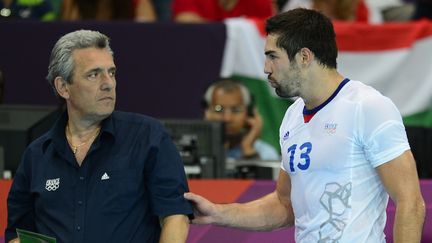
x,y
20,203
381,129
167,179
289,113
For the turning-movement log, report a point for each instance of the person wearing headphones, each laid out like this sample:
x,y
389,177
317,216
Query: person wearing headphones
x,y
231,102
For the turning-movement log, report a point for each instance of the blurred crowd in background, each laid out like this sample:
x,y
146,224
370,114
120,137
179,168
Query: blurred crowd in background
x,y
200,11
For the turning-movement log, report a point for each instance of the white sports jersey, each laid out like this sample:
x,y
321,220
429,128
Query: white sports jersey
x,y
336,193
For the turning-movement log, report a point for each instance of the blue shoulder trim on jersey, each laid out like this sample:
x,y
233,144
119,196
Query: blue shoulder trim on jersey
x,y
316,109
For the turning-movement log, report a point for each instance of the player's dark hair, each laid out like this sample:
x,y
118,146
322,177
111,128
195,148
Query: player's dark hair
x,y
299,28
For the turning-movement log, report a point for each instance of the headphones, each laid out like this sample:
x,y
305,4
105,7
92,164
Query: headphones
x,y
229,84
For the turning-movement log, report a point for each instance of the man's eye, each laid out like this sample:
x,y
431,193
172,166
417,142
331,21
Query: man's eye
x,y
92,75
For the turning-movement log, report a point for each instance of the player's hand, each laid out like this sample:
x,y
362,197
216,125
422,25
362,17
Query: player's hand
x,y
204,211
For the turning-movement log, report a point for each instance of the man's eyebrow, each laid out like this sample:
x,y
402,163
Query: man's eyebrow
x,y
97,70
269,52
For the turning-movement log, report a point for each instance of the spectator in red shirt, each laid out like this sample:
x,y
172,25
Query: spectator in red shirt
x,y
342,10
199,11
104,10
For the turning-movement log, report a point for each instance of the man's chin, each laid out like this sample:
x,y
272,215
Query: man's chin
x,y
280,93
101,115
283,94
107,110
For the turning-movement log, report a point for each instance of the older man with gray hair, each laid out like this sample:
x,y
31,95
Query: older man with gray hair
x,y
98,175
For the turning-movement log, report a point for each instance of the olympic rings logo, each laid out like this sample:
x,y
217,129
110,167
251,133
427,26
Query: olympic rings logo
x,y
53,184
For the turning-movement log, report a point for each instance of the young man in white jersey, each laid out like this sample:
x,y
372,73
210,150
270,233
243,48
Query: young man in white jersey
x,y
344,148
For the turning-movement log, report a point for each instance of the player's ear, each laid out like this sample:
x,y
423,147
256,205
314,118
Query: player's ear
x,y
306,56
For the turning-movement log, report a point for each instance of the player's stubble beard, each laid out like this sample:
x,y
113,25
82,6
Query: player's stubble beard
x,y
289,87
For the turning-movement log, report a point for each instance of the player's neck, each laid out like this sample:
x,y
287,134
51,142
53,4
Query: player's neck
x,y
321,87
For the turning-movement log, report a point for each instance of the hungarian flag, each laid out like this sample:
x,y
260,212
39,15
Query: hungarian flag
x,y
394,58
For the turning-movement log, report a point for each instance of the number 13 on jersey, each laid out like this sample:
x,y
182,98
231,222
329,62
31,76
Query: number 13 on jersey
x,y
304,151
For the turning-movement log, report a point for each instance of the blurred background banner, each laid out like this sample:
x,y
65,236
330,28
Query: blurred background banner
x,y
165,68
393,58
